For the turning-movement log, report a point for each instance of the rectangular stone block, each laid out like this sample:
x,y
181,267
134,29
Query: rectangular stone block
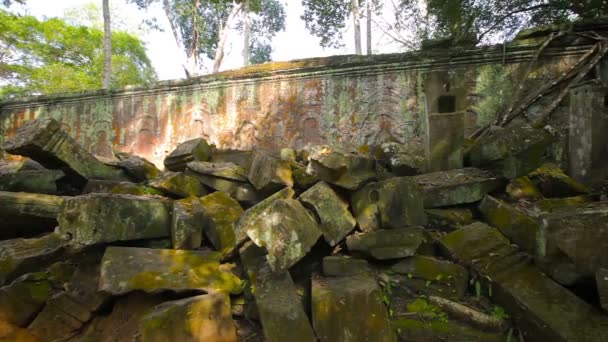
x,y
444,141
25,214
99,218
544,310
126,269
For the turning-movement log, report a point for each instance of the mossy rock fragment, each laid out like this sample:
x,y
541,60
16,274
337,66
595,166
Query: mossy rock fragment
x,y
220,212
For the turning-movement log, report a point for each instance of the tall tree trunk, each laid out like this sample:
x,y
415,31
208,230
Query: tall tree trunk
x,y
178,40
224,31
246,34
368,19
193,55
357,25
107,46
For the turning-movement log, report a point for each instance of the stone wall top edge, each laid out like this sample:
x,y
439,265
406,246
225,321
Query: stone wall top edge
x,y
347,65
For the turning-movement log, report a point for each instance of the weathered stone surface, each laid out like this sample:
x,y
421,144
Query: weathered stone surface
x,y
137,167
23,298
512,151
227,177
20,256
286,230
387,243
515,224
34,181
98,218
200,318
601,280
544,310
249,218
178,184
44,141
423,330
24,213
578,231
548,205
346,169
336,266
336,221
553,182
444,141
126,269
459,186
403,159
115,187
349,309
269,173
186,152
449,218
301,179
220,212
393,203
186,224
238,157
280,310
523,188
430,276
12,333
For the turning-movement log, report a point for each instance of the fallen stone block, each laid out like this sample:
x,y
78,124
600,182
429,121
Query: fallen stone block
x,y
387,243
459,186
119,188
523,188
44,141
393,203
337,166
178,184
226,177
512,151
99,218
279,307
403,159
21,256
33,181
186,224
200,318
601,280
430,276
61,318
269,173
249,218
25,214
220,212
337,266
126,269
421,329
578,231
541,308
137,167
23,298
449,218
286,230
186,152
238,157
301,179
548,205
515,224
345,308
553,182
335,220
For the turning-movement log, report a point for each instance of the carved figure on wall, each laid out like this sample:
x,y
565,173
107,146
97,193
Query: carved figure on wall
x,y
246,136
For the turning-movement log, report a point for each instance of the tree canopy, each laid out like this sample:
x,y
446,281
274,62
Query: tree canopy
x,y
47,56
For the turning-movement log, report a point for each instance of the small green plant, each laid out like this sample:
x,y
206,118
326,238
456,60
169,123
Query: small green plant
x,y
499,313
510,335
477,289
426,310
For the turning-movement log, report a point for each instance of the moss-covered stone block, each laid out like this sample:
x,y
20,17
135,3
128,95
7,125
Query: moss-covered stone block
x,y
449,218
220,212
188,151
186,224
341,167
99,218
126,269
349,309
33,181
393,203
601,280
23,298
553,182
419,329
21,256
335,219
178,184
269,172
25,214
281,312
386,244
458,186
200,318
523,188
286,230
337,266
123,188
137,167
402,159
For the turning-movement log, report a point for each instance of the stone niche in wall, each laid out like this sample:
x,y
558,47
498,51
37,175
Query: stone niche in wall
x,y
345,100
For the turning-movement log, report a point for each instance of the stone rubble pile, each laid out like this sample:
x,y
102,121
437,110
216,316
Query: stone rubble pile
x,y
327,243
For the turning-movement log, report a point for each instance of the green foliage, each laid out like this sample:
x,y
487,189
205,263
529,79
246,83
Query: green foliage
x,y
49,56
494,87
326,20
427,310
499,313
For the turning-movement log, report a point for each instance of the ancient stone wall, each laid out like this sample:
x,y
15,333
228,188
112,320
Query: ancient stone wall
x,y
348,100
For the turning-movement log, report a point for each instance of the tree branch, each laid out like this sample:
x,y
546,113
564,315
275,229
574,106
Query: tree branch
x,y
504,17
